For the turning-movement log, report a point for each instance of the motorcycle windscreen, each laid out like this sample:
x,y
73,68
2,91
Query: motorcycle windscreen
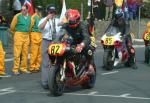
x,y
111,31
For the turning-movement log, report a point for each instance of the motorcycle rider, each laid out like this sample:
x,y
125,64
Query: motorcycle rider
x,y
124,27
79,32
145,33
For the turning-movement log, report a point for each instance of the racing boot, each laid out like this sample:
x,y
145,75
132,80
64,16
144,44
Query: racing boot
x,y
91,70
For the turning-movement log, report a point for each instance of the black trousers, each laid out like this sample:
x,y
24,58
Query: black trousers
x,y
96,13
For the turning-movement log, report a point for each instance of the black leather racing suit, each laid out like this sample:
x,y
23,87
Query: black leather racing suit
x,y
79,34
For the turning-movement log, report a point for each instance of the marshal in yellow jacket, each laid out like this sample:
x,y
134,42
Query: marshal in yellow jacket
x,y
2,56
20,27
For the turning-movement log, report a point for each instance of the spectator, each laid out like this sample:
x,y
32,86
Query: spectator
x,y
132,6
36,41
17,6
96,9
20,27
140,2
49,28
89,8
102,9
126,10
122,5
119,3
109,9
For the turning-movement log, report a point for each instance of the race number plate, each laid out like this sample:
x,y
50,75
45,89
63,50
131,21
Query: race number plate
x,y
56,49
109,41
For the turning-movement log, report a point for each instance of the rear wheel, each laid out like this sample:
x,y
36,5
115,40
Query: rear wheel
x,y
56,86
108,60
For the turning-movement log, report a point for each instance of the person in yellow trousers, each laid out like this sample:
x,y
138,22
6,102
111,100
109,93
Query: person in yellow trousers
x,y
20,27
2,64
36,41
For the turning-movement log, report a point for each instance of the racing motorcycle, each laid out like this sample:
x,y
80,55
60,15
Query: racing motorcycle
x,y
68,67
112,42
147,47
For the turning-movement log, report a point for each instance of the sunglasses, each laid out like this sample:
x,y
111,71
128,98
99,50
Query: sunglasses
x,y
72,22
51,12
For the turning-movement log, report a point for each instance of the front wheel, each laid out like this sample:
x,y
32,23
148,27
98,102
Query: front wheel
x,y
108,60
56,86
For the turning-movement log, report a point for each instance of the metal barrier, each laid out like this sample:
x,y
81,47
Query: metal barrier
x,y
139,21
4,36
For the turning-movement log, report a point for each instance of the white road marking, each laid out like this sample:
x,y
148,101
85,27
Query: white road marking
x,y
6,76
11,59
110,72
92,93
12,90
30,92
125,95
111,96
7,91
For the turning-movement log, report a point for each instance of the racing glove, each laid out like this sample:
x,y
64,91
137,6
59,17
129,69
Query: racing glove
x,y
80,47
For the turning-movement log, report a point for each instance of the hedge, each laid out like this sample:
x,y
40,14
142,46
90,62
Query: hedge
x,y
145,11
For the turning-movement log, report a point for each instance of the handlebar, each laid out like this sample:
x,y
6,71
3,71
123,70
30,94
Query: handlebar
x,y
71,49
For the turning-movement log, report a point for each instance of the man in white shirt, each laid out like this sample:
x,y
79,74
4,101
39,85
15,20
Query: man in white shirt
x,y
89,8
49,28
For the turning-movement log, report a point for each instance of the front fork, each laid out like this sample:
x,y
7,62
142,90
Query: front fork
x,y
62,71
119,55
